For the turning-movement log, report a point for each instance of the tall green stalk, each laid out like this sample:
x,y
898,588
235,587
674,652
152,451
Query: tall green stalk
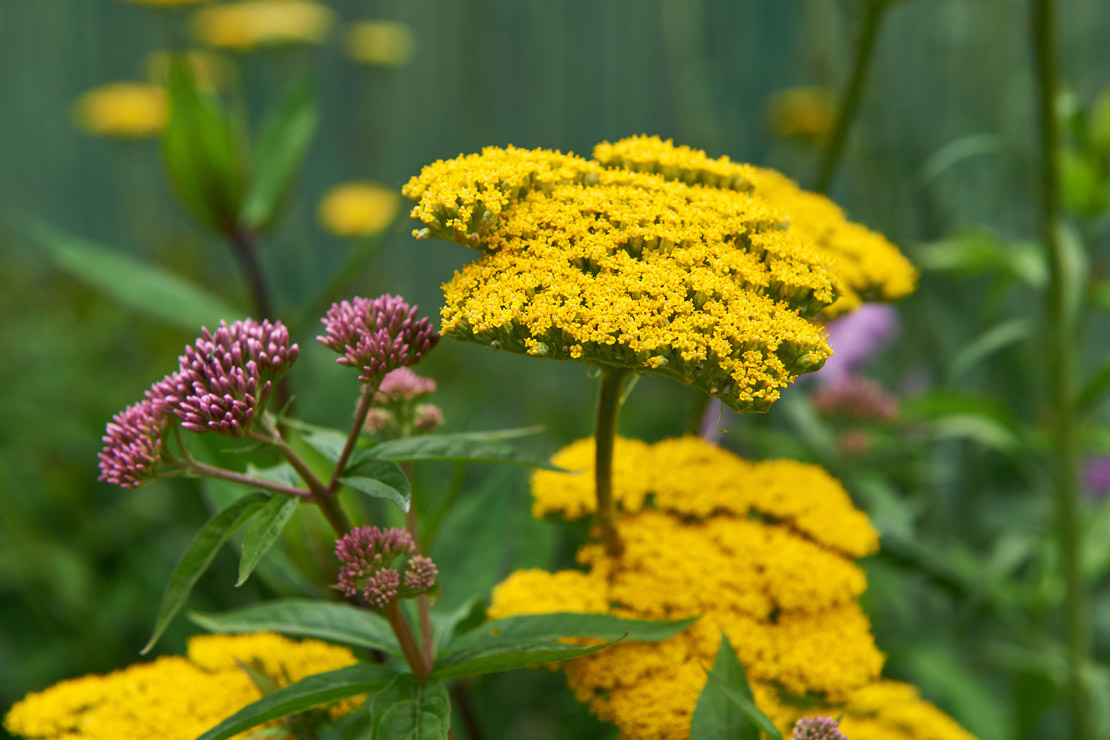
x,y
608,413
1061,369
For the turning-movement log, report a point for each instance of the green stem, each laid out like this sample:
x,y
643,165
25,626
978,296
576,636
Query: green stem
x,y
849,103
1061,368
409,648
352,437
211,471
423,605
608,413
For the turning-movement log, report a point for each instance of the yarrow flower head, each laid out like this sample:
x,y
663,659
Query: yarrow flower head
x,y
367,557
231,372
133,446
377,335
818,728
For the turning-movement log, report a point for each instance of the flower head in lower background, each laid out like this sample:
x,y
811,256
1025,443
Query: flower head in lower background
x,y
358,209
381,43
129,110
368,565
857,398
377,335
817,728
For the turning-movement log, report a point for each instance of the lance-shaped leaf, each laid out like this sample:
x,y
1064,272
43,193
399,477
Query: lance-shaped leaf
x,y
464,447
264,530
411,710
565,624
501,655
726,709
206,543
308,618
307,693
380,479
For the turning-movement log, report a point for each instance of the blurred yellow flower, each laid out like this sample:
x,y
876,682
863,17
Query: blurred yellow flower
x,y
165,3
208,69
249,24
175,697
386,43
123,109
801,111
358,208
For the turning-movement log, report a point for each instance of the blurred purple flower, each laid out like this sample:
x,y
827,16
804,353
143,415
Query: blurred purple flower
x,y
856,337
132,446
427,418
1096,477
377,335
818,728
856,397
403,384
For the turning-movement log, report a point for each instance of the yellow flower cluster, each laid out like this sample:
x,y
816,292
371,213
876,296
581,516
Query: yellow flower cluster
x,y
248,24
175,697
358,208
381,43
629,269
801,111
763,555
123,109
868,265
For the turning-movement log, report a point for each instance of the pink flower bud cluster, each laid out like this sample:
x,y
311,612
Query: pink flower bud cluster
x,y
132,446
427,418
403,384
377,335
366,565
856,397
818,728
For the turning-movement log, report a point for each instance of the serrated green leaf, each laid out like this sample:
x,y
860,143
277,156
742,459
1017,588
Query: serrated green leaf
x,y
203,548
380,479
131,282
508,655
307,618
307,693
278,152
726,709
465,447
411,710
566,624
264,530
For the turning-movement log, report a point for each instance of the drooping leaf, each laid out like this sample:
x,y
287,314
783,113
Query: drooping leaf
x,y
307,618
203,548
507,655
464,447
410,710
993,340
136,284
726,709
278,152
307,693
380,479
565,624
264,530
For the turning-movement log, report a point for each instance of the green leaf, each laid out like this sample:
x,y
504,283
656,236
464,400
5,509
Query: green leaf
x,y
993,340
133,283
955,152
279,150
264,531
566,624
380,479
472,611
411,710
508,655
1074,268
328,442
466,447
726,709
307,618
283,473
977,252
206,543
307,693
201,150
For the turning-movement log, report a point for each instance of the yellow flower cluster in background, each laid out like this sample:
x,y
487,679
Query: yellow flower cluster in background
x,y
175,697
802,111
130,110
382,43
761,551
869,266
629,269
358,209
248,24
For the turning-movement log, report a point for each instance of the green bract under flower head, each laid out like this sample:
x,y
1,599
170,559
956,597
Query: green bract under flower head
x,y
672,267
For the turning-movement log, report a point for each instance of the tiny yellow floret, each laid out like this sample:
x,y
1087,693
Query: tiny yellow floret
x,y
358,209
130,110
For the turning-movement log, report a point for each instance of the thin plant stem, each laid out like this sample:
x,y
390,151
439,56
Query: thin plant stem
x,y
605,432
210,471
423,605
461,698
352,438
1061,368
409,649
294,460
849,102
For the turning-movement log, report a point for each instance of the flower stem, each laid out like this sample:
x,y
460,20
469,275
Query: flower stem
x,y
608,413
352,438
401,628
211,471
849,102
1061,367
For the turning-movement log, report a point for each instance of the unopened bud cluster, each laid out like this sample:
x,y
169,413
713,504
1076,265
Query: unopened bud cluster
x,y
397,409
377,335
817,728
369,566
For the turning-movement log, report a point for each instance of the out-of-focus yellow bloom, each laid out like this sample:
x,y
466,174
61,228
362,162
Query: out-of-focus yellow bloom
x,y
208,69
124,109
165,3
385,43
801,111
249,24
358,208
175,697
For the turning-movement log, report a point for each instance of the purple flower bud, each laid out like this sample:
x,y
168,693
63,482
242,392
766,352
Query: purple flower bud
x,y
403,384
230,373
132,446
818,728
427,418
856,397
377,420
1096,477
377,335
420,575
366,552
856,337
382,587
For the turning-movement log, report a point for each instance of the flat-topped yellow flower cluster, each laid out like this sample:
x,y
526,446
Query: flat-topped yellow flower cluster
x,y
175,696
679,268
761,551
